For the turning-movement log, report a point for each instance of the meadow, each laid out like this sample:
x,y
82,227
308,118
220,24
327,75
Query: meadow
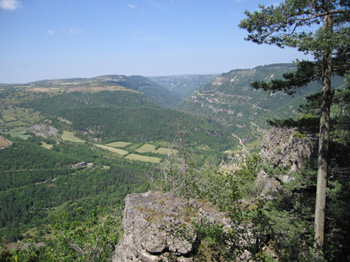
x,y
150,159
119,144
148,148
127,151
19,132
46,145
69,136
113,149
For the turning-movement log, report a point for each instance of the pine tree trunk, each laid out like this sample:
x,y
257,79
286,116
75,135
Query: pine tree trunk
x,y
323,143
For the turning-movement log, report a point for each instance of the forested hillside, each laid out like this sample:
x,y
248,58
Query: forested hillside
x,y
154,92
231,100
37,183
183,85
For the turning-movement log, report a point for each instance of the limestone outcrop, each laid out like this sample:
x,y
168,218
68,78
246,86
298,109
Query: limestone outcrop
x,y
282,146
158,227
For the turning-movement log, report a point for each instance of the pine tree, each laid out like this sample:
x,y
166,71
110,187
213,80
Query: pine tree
x,y
320,28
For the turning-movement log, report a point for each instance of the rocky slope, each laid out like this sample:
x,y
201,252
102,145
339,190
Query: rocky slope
x,y
230,99
158,227
282,146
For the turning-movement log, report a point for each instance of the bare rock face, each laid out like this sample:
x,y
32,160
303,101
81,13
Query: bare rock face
x,y
158,227
44,130
281,146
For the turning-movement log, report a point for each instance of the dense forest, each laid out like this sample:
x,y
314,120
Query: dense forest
x,y
36,183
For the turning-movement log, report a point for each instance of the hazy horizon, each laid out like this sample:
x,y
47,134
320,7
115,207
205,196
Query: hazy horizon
x,y
52,39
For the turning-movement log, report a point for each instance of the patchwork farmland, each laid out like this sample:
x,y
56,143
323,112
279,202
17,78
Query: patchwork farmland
x,y
136,152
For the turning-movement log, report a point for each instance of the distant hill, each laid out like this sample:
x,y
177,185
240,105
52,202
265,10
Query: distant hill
x,y
52,104
231,100
183,85
123,115
152,91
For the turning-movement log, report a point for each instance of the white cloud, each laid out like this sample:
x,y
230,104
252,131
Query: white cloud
x,y
75,30
10,4
131,6
51,32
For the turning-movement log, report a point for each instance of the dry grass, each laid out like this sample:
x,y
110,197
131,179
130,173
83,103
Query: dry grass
x,y
146,148
69,136
166,151
4,143
119,144
149,159
46,145
112,149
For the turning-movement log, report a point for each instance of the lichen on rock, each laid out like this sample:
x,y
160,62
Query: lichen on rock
x,y
282,146
159,227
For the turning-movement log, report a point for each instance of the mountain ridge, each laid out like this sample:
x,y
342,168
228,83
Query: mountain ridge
x,y
230,100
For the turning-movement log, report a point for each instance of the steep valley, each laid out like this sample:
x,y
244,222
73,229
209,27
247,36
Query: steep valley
x,y
85,143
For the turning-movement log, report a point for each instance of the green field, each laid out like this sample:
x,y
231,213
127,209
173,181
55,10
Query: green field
x,y
46,145
18,132
23,115
114,150
119,144
133,147
165,151
8,117
146,148
150,159
69,136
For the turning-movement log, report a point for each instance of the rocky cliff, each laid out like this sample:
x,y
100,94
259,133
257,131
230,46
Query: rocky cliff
x,y
159,227
283,146
231,100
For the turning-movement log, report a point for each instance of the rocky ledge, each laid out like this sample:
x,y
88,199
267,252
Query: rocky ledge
x,y
159,227
282,146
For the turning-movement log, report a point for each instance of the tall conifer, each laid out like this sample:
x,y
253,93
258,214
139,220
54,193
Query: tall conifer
x,y
320,28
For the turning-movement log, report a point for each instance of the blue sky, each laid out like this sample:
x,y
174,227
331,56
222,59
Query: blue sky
x,y
44,39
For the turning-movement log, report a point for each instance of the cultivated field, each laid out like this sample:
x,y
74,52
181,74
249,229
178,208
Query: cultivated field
x,y
18,132
150,159
119,144
22,115
4,143
148,148
166,151
46,145
69,136
113,149
128,147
